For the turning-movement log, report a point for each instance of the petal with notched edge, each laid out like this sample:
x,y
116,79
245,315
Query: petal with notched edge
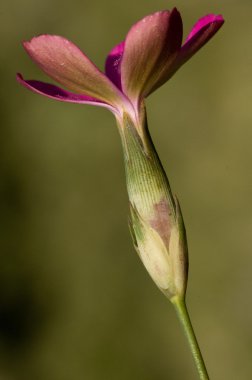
x,y
204,29
54,92
151,47
67,64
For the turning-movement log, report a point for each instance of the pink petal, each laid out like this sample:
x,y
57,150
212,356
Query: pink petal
x,y
151,47
57,93
67,64
202,22
201,33
113,64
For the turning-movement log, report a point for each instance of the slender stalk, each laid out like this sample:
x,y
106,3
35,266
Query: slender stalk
x,y
182,312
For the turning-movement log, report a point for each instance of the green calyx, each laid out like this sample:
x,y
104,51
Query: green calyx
x,y
156,222
147,183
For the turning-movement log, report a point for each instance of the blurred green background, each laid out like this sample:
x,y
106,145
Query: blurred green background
x,y
75,301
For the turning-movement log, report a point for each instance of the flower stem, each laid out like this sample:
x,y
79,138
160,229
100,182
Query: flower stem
x,y
182,312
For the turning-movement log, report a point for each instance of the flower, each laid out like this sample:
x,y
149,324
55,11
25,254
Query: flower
x,y
149,56
151,53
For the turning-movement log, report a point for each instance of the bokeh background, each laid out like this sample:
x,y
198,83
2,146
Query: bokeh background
x,y
75,301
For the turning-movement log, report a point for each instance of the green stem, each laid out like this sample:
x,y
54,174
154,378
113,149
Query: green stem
x,y
182,312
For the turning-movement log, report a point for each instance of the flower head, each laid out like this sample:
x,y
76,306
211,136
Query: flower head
x,y
149,56
151,53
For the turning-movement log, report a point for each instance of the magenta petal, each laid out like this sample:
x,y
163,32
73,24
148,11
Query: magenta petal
x,y
67,64
204,22
54,92
151,47
202,31
113,64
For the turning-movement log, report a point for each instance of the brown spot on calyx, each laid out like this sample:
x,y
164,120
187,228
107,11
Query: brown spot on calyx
x,y
162,220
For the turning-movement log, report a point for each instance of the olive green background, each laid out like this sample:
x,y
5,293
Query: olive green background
x,y
75,301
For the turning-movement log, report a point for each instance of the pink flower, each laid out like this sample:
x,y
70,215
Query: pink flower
x,y
151,53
